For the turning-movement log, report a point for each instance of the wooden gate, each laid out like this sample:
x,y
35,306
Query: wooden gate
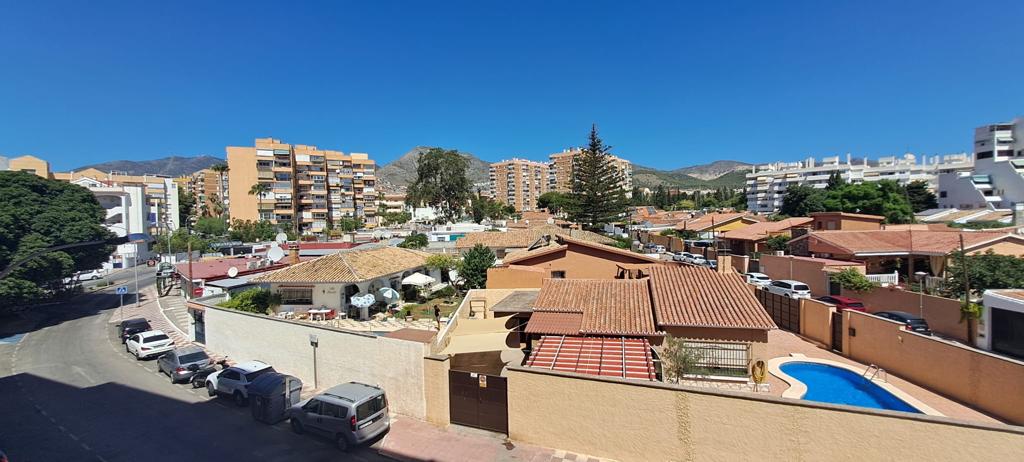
x,y
837,331
478,400
784,311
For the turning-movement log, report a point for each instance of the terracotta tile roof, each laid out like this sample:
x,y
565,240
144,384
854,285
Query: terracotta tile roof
x,y
695,296
763,230
878,218
532,253
522,238
628,358
349,266
608,306
718,219
899,241
554,323
566,241
217,268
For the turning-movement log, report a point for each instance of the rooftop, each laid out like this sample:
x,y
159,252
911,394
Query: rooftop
x,y
694,296
348,267
562,242
622,357
217,268
522,238
714,219
878,218
896,242
520,301
412,335
604,306
764,229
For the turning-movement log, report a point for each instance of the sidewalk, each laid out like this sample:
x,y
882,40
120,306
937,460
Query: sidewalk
x,y
415,440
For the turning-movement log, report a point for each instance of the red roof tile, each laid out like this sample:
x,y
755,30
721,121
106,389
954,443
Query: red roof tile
x,y
763,230
622,357
695,296
918,242
608,306
556,323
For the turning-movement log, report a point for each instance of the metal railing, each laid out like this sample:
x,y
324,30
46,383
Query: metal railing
x,y
888,279
720,358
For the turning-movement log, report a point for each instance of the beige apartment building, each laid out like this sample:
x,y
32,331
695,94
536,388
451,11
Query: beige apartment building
x,y
518,182
30,164
308,186
205,186
160,194
560,170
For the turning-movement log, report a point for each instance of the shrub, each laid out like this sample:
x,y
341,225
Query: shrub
x,y
414,241
253,301
777,243
851,279
446,292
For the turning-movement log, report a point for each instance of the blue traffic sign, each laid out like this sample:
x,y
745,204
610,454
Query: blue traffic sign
x,y
122,290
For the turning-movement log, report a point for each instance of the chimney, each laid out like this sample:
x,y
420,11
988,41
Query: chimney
x,y
293,251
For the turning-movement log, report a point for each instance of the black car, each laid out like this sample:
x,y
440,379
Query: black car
x,y
912,322
133,326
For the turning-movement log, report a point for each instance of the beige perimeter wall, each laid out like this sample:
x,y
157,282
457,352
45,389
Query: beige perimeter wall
x,y
816,321
942,314
990,383
396,365
629,421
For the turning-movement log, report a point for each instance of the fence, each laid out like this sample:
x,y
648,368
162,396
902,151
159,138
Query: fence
x,y
720,358
784,311
885,279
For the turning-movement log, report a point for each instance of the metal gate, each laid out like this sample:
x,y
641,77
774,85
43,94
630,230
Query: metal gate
x,y
478,400
784,311
200,326
837,331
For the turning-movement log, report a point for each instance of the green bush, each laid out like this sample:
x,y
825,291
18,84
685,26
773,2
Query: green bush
x,y
414,241
445,292
851,279
253,301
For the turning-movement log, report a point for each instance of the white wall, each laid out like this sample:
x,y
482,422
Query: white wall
x,y
395,365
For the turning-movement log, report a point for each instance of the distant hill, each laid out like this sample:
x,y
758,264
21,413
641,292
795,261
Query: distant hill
x,y
718,174
170,166
402,171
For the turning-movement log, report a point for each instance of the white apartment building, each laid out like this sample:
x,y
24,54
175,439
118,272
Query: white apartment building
x,y
997,180
127,214
766,184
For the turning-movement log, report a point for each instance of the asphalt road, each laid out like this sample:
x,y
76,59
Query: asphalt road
x,y
68,391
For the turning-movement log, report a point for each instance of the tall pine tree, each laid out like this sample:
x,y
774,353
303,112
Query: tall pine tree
x,y
597,194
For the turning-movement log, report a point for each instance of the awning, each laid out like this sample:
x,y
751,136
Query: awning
x,y
418,279
623,357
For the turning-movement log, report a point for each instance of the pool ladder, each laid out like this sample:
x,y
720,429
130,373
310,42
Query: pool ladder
x,y
877,370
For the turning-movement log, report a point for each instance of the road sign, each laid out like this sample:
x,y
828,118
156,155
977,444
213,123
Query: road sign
x,y
122,290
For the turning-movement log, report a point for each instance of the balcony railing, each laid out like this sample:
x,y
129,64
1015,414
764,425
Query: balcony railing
x,y
888,279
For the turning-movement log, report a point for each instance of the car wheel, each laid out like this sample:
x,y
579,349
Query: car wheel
x,y
297,427
342,443
210,390
239,399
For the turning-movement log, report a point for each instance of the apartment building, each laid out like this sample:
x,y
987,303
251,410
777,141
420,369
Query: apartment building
x,y
518,182
308,185
560,170
160,194
766,184
206,186
127,215
997,180
30,164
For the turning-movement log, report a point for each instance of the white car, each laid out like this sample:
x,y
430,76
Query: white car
x,y
681,256
148,344
234,381
789,288
758,279
697,259
90,275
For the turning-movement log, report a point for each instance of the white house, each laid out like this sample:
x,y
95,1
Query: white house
x,y
126,215
1002,322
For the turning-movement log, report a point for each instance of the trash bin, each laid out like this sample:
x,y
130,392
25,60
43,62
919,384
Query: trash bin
x,y
271,394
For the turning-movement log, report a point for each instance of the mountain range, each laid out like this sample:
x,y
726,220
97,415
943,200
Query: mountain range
x,y
402,171
171,166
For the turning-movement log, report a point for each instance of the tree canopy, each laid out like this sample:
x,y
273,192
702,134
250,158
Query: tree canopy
x,y
485,207
985,271
553,201
886,198
597,196
441,183
414,241
474,266
252,231
211,226
920,197
38,213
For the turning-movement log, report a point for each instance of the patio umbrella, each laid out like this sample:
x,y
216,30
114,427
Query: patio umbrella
x,y
418,279
362,300
389,294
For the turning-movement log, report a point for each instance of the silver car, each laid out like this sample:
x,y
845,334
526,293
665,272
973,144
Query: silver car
x,y
182,363
348,414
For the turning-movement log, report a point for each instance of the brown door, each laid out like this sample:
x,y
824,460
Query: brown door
x,y
478,400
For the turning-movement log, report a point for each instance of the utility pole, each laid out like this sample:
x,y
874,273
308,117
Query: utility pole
x,y
135,266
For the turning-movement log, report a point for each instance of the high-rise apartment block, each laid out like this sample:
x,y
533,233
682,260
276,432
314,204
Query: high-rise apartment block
x,y
560,170
518,182
159,195
206,186
997,180
308,186
766,184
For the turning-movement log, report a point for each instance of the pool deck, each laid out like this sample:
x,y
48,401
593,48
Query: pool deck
x,y
782,344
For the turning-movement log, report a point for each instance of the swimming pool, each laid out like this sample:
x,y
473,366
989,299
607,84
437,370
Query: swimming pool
x,y
830,384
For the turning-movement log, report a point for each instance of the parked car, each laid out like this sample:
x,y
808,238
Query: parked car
x,y
758,279
789,288
349,414
844,303
697,259
678,256
133,326
910,322
713,264
90,275
234,380
182,363
148,344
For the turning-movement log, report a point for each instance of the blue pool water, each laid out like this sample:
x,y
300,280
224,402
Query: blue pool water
x,y
835,385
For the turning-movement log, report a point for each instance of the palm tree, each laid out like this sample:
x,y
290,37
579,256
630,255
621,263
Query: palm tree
x,y
221,169
258,190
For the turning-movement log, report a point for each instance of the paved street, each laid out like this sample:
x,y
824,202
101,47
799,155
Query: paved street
x,y
70,392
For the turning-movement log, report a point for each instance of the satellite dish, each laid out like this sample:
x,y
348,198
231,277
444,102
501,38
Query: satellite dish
x,y
275,254
281,238
232,272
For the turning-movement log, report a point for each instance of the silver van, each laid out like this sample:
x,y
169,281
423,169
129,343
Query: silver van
x,y
349,414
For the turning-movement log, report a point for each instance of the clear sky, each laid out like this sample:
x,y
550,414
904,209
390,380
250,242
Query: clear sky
x,y
668,84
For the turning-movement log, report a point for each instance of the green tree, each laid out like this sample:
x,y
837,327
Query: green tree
x,y
253,231
474,265
835,181
221,170
38,213
920,197
553,201
441,183
395,218
414,241
444,263
778,243
180,240
253,301
597,196
186,206
211,226
260,190
350,224
984,271
679,359
851,279
801,201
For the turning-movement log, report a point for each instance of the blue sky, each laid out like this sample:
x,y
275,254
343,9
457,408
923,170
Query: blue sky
x,y
668,84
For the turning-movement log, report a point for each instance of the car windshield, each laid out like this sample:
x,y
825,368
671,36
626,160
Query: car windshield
x,y
801,287
762,278
252,375
193,357
855,305
155,338
371,407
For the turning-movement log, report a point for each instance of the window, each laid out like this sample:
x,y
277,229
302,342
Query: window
x,y
312,406
984,155
371,407
942,193
296,295
231,375
252,375
156,338
558,275
333,410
